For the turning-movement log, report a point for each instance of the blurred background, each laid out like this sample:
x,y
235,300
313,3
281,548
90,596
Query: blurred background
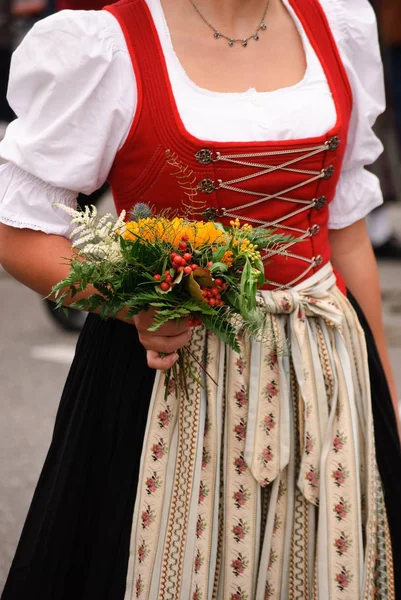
x,y
37,344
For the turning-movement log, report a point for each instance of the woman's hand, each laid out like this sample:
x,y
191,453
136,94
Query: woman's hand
x,y
166,340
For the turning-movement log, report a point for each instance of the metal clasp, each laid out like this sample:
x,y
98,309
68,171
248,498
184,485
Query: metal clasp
x,y
333,143
206,186
320,202
204,156
328,172
314,230
212,213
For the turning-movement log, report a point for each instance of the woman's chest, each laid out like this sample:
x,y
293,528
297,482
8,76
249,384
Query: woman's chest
x,y
274,61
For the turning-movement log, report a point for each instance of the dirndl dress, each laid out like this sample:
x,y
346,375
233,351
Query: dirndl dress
x,y
265,481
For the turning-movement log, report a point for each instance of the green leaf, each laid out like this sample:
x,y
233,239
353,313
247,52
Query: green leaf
x,y
179,277
105,311
220,252
224,330
103,289
218,266
159,304
82,304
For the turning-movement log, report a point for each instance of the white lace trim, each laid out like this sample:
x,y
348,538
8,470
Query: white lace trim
x,y
27,202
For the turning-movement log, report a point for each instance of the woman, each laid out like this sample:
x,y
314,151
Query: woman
x,y
265,486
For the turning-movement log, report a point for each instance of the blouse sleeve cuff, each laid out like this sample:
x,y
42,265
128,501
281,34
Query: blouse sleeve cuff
x,y
27,202
358,193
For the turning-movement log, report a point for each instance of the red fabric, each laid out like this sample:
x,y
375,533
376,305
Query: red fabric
x,y
141,172
80,4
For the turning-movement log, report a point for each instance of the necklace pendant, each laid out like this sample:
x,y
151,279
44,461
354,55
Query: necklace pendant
x,y
217,35
231,42
263,26
256,36
245,43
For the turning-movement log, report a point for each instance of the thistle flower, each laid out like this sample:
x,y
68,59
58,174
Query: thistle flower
x,y
140,211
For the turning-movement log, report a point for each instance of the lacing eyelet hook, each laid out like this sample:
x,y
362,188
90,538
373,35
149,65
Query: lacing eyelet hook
x,y
204,156
314,230
320,202
207,186
212,213
333,143
328,172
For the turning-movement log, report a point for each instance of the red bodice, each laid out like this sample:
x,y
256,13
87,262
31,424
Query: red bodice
x,y
284,185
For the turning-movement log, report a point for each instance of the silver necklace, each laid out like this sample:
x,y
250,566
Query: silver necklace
x,y
231,41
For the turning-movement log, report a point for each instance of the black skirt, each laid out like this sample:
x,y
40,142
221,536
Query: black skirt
x,y
75,542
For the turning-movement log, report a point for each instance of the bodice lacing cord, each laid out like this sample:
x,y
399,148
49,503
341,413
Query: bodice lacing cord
x,y
301,154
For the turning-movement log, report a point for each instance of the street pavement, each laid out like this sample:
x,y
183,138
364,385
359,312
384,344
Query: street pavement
x,y
35,357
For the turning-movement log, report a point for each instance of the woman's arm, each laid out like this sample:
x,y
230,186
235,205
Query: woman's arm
x,y
353,257
39,261
34,258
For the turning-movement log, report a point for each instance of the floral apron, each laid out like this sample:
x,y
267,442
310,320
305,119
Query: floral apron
x,y
265,486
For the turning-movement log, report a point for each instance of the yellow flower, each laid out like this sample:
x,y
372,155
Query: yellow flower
x,y
206,234
131,231
160,229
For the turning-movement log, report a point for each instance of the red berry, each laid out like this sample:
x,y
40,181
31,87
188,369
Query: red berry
x,y
169,279
187,270
218,296
187,256
205,293
212,301
191,323
193,267
220,303
165,286
185,238
177,259
214,291
182,245
157,277
218,281
183,262
173,255
209,264
179,269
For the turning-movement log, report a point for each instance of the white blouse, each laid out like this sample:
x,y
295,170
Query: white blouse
x,y
73,89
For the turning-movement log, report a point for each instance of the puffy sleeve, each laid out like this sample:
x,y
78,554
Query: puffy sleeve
x,y
354,26
73,90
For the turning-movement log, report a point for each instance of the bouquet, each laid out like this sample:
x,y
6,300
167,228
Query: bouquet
x,y
196,270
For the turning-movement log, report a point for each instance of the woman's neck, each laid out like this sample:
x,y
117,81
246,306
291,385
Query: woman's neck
x,y
237,14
